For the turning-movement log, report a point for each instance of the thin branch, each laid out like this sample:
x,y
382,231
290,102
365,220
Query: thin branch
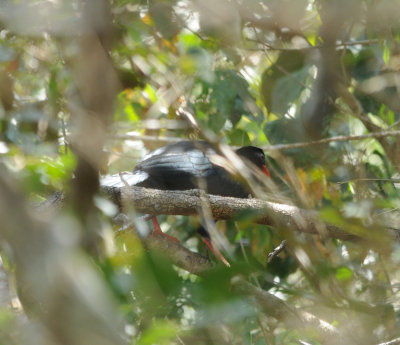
x,y
391,342
393,180
339,138
394,124
355,107
276,251
148,138
338,45
279,147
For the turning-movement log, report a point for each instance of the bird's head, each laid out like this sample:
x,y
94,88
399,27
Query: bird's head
x,y
256,156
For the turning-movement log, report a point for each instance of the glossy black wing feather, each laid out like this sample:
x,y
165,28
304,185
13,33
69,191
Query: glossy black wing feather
x,y
177,166
187,165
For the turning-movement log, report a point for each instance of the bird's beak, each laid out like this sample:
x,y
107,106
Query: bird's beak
x,y
266,171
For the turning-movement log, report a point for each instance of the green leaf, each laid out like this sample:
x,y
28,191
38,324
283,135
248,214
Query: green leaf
x,y
239,137
287,90
386,54
162,332
280,78
189,40
343,273
231,98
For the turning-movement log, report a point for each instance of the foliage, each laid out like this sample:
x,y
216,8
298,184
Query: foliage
x,y
253,72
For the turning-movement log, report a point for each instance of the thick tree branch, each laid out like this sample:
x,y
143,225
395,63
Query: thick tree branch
x,y
51,274
187,203
180,256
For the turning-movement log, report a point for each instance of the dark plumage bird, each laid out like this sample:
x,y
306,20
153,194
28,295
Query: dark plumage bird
x,y
189,165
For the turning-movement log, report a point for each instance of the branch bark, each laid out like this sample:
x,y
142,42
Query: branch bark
x,y
188,203
179,255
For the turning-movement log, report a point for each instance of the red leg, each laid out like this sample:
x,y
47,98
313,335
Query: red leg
x,y
216,252
157,230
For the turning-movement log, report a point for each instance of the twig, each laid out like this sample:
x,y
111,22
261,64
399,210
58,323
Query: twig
x,y
279,147
339,138
394,180
64,135
148,138
276,251
302,342
394,125
338,45
391,342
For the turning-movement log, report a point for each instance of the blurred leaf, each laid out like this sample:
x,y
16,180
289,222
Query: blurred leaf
x,y
287,89
231,98
386,55
197,61
343,273
7,53
239,137
189,40
225,27
214,287
284,131
281,82
163,15
162,332
129,78
367,63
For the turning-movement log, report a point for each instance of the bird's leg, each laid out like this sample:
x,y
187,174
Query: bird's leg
x,y
205,236
216,252
157,231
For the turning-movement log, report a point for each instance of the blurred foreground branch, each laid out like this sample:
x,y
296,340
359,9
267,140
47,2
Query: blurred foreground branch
x,y
56,281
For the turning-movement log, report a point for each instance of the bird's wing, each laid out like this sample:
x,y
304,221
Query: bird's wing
x,y
177,160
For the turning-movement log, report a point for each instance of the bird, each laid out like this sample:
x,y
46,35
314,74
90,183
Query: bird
x,y
190,165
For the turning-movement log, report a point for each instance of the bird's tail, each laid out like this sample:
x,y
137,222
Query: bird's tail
x,y
123,179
